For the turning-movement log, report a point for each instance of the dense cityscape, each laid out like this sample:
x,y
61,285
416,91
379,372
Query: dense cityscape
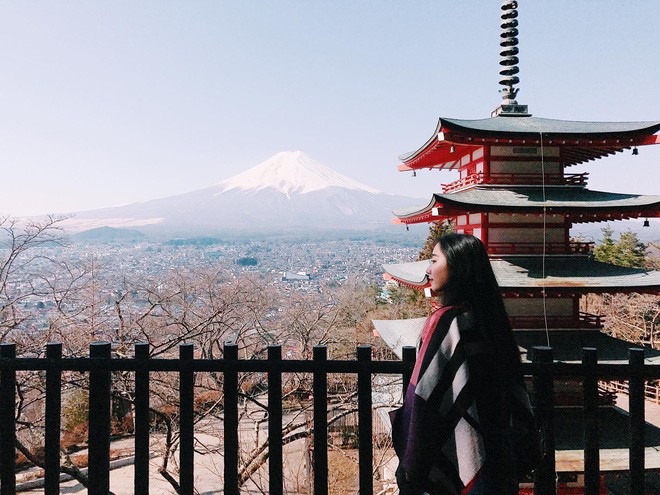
x,y
310,267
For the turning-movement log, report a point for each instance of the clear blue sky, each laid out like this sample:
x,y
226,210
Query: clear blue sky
x,y
104,103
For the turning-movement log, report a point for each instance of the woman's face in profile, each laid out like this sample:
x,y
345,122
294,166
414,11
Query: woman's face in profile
x,y
438,272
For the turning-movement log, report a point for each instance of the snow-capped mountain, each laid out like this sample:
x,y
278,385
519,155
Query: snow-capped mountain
x,y
291,172
290,190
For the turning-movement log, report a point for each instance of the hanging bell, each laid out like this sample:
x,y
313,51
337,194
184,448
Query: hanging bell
x,y
635,151
646,223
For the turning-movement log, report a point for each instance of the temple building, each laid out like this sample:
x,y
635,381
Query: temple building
x,y
516,193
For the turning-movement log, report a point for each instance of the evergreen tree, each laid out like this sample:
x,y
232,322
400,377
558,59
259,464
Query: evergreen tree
x,y
435,230
627,251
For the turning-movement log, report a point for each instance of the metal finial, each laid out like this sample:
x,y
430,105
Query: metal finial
x,y
509,52
509,62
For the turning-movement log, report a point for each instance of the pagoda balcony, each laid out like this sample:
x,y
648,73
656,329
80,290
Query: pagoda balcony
x,y
516,179
584,321
572,247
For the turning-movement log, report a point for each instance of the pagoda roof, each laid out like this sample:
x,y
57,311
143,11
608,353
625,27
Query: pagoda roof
x,y
530,199
570,273
566,344
580,141
551,128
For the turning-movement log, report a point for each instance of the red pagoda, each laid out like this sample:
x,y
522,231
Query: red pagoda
x,y
516,194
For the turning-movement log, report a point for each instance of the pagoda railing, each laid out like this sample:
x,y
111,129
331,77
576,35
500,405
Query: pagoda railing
x,y
651,390
100,365
571,247
550,179
584,320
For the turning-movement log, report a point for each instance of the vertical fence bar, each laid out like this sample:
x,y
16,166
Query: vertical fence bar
x,y
365,420
53,421
7,423
99,421
590,408
141,409
636,404
409,354
545,476
231,419
186,414
320,392
275,458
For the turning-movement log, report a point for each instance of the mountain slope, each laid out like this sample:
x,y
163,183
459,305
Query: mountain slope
x,y
288,191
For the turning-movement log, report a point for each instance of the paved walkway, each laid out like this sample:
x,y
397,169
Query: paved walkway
x,y
651,410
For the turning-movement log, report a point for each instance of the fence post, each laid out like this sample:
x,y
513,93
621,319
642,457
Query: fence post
x,y
186,423
99,421
320,393
275,480
636,405
365,421
53,421
141,408
545,476
590,409
231,419
409,354
7,423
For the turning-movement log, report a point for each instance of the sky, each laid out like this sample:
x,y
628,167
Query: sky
x,y
107,103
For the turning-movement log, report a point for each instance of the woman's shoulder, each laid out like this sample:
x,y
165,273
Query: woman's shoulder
x,y
457,313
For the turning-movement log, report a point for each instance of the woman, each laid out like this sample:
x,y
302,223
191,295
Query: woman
x,y
454,433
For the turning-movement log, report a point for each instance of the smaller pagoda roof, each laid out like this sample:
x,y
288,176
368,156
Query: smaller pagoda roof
x,y
566,344
572,272
554,199
399,333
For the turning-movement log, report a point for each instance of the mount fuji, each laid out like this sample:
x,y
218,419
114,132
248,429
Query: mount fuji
x,y
289,191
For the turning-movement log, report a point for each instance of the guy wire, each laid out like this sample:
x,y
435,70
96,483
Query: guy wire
x,y
543,294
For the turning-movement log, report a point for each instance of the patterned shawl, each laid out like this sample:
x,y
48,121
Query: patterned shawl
x,y
437,434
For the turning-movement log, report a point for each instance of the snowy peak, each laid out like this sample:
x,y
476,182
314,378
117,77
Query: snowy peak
x,y
291,172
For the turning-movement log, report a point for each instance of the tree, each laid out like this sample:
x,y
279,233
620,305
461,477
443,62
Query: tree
x,y
631,317
627,251
88,301
435,230
19,258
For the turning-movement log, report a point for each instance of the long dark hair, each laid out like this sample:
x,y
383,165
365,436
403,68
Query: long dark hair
x,y
472,283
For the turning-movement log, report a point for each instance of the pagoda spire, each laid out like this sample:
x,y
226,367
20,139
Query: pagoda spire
x,y
509,62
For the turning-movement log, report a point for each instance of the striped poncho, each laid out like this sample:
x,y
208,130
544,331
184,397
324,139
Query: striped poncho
x,y
453,434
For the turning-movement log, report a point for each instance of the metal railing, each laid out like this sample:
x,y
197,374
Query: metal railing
x,y
100,365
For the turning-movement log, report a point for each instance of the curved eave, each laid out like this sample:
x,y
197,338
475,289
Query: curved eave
x,y
580,141
581,204
558,274
532,127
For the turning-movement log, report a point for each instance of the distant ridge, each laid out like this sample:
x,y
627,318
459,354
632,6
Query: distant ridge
x,y
288,191
106,234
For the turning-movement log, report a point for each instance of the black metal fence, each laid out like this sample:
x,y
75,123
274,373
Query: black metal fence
x,y
100,364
